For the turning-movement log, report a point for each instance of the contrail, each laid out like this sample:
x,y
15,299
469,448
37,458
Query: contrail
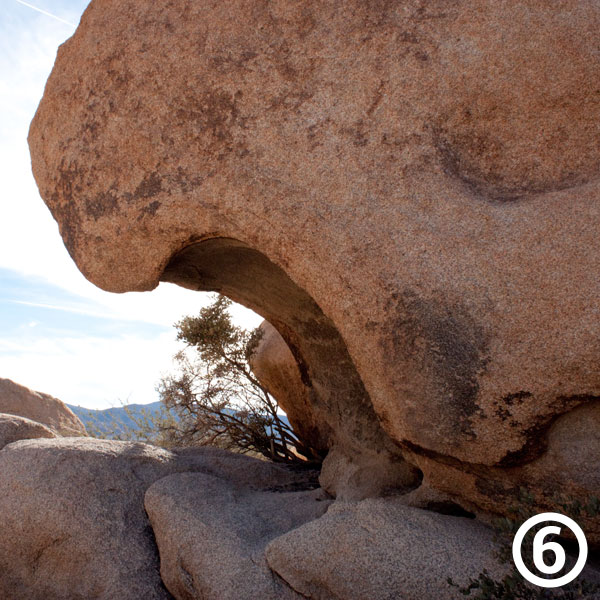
x,y
46,13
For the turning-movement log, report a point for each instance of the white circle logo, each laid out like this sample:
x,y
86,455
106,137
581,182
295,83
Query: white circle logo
x,y
540,546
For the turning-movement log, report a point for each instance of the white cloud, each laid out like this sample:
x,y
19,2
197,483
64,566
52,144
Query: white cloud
x,y
94,372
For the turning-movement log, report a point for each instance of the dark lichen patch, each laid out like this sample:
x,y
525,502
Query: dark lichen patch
x,y
90,130
69,224
67,182
536,436
213,112
151,208
518,397
185,181
303,367
503,406
63,202
358,134
150,186
229,62
445,342
290,100
102,205
535,445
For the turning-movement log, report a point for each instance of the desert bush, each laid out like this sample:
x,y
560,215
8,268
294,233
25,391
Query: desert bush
x,y
216,397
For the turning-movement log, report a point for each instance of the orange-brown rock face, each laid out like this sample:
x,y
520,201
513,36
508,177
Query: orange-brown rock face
x,y
409,192
42,408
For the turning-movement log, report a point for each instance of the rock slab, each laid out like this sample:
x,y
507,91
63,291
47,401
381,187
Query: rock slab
x,y
19,400
277,370
380,549
72,514
13,428
72,520
212,536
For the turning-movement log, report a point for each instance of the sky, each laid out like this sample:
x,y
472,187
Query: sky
x,y
59,334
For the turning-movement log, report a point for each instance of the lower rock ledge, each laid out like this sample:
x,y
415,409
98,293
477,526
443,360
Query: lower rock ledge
x,y
212,534
380,549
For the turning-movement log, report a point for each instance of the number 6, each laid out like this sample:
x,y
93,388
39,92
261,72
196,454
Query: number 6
x,y
539,547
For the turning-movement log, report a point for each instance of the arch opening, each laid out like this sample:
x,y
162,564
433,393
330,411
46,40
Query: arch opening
x,y
362,459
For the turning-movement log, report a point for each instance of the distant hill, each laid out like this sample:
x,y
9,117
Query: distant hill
x,y
114,421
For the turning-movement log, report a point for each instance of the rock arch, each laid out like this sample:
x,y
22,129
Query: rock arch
x,y
426,172
363,459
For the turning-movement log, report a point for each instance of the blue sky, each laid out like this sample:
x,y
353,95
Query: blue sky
x,y
59,334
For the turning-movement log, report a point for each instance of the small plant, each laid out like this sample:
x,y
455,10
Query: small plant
x,y
217,399
513,586
214,398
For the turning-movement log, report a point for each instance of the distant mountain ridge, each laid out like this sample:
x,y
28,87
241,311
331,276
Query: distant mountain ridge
x,y
116,421
112,422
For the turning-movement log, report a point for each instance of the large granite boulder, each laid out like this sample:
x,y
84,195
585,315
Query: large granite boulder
x,y
72,514
73,523
19,400
409,192
13,429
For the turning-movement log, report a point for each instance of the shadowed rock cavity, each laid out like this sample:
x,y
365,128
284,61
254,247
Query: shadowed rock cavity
x,y
363,460
276,369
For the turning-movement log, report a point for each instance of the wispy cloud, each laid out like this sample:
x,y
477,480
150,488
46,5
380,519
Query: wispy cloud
x,y
44,12
69,309
162,307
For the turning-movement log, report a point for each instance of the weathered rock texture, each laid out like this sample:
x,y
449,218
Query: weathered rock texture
x,y
212,535
408,191
277,370
73,523
380,549
18,400
568,471
72,514
13,429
